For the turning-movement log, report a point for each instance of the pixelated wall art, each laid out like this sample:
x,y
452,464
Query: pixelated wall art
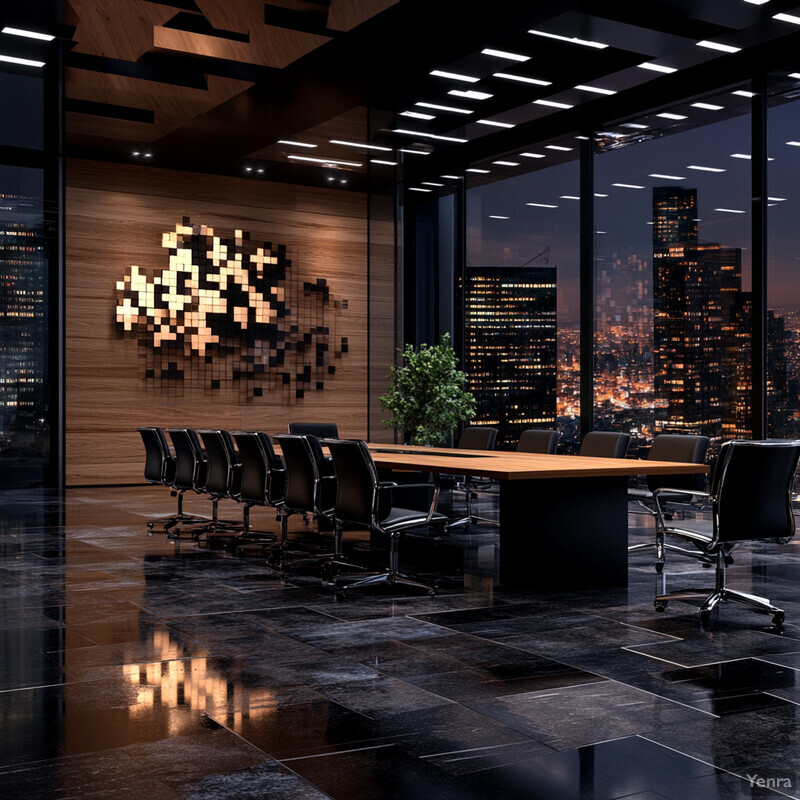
x,y
230,314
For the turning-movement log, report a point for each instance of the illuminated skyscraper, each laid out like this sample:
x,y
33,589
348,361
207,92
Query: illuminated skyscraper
x,y
510,346
701,323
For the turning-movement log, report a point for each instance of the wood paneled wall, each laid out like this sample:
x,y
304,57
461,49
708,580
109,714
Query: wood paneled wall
x,y
116,215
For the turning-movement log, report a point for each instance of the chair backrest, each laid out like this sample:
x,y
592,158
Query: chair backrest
x,y
357,479
687,448
159,465
477,437
301,474
605,444
534,440
223,477
255,469
751,490
324,430
190,466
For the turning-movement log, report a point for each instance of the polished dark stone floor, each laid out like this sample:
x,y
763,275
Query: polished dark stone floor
x,y
134,666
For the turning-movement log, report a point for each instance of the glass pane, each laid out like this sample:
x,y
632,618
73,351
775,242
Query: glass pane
x,y
673,306
521,298
783,268
24,127
24,426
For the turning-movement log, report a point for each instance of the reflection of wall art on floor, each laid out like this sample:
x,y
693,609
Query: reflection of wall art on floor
x,y
230,314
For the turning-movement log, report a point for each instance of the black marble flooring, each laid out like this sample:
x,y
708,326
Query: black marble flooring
x,y
134,666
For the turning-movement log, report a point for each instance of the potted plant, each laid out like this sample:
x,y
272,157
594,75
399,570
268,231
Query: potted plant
x,y
426,397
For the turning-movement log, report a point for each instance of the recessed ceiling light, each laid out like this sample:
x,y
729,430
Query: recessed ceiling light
x,y
595,89
558,147
743,93
325,161
795,75
541,205
570,39
361,144
505,54
666,115
385,163
730,210
522,79
757,2
25,62
454,76
787,18
260,170
248,169
657,68
532,155
627,185
663,177
45,37
475,169
552,104
506,163
454,109
636,125
470,94
427,136
417,115
418,189
296,144
723,48
707,106
705,169
495,124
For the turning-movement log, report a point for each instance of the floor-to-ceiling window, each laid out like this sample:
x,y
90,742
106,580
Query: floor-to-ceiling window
x,y
520,290
672,271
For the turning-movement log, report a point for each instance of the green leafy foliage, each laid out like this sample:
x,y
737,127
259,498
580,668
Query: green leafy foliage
x,y
426,397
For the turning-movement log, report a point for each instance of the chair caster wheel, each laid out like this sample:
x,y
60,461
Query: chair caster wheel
x,y
659,567
705,617
661,606
778,618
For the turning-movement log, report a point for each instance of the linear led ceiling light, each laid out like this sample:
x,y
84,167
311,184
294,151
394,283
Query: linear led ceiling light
x,y
494,123
558,147
657,67
552,104
705,169
385,163
506,163
723,48
707,106
25,62
296,144
454,109
505,54
44,37
429,135
417,115
667,115
522,79
331,161
541,205
595,89
361,144
470,94
663,177
454,76
787,18
570,39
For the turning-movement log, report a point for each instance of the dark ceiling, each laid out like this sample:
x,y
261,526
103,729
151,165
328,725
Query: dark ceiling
x,y
220,85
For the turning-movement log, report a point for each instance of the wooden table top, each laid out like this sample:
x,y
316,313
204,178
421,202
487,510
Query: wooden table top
x,y
510,465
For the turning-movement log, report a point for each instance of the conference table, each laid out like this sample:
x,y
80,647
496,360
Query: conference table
x,y
563,519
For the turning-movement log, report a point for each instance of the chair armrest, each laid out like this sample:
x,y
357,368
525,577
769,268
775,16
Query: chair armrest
x,y
431,487
660,523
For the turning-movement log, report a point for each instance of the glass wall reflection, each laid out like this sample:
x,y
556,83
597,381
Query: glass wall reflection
x,y
521,293
672,272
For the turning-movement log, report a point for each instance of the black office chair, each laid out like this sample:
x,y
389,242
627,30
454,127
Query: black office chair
x,y
322,430
684,448
159,469
363,501
475,437
310,492
750,501
262,483
534,440
223,481
190,475
605,444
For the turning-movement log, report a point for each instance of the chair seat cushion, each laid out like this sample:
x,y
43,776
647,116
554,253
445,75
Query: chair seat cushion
x,y
407,518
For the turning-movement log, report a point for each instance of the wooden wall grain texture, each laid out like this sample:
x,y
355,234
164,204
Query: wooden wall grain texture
x,y
116,215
